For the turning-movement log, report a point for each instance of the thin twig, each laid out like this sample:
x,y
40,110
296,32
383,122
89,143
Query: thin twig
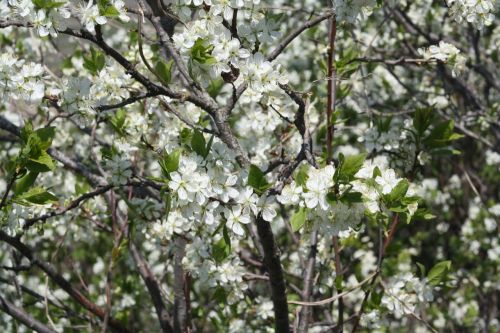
x,y
338,296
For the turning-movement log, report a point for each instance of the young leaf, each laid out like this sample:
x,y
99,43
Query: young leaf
x,y
48,4
95,63
301,176
298,219
42,163
164,70
222,248
198,143
215,87
170,162
441,135
257,180
351,165
438,272
46,135
38,195
399,191
421,268
23,184
352,197
422,120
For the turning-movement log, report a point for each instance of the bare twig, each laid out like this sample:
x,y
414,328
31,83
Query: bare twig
x,y
338,296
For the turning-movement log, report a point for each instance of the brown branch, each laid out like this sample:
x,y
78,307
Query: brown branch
x,y
183,118
23,317
7,190
153,288
394,62
126,102
276,278
72,205
295,33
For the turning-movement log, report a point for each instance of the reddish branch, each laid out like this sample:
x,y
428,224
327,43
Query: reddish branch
x,y
330,107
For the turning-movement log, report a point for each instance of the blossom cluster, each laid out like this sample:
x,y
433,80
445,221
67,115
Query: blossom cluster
x,y
332,216
479,13
352,10
20,79
215,51
51,17
446,53
404,293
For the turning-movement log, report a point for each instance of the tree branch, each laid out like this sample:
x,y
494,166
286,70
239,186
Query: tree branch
x,y
115,325
23,317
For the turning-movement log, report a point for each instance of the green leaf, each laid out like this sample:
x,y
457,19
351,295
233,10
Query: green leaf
x,y
398,209
119,121
42,163
209,146
421,268
351,197
48,4
222,249
422,120
441,135
46,135
215,87
423,214
95,63
26,131
107,9
298,219
23,184
198,143
331,197
38,195
376,299
170,162
338,281
202,53
301,176
257,180
220,295
185,136
399,191
164,71
350,166
108,152
437,273
455,136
